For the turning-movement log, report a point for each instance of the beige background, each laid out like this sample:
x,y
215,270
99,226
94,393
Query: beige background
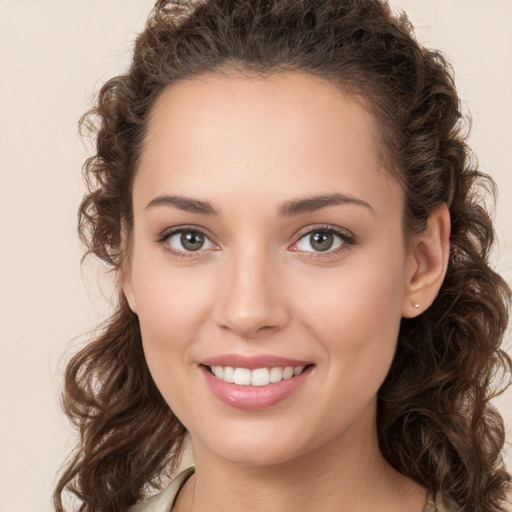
x,y
53,56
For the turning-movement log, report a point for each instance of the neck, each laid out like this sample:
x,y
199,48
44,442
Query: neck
x,y
349,474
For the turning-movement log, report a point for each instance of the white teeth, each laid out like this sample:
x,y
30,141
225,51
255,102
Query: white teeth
x,y
288,372
219,371
229,374
257,377
276,374
242,376
260,377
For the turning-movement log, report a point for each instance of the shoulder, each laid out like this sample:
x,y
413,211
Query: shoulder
x,y
163,501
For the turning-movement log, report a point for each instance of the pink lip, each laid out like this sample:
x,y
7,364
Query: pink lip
x,y
253,362
253,397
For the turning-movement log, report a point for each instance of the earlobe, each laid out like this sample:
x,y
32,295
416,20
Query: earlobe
x,y
428,263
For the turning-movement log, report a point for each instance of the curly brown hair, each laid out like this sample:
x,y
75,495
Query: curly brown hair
x,y
435,420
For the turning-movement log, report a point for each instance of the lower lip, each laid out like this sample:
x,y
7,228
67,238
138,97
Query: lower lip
x,y
253,397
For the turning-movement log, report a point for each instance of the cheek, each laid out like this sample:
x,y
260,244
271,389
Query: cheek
x,y
356,319
355,299
171,309
356,329
168,294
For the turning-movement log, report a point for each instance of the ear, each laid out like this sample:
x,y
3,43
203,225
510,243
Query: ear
x,y
125,270
427,263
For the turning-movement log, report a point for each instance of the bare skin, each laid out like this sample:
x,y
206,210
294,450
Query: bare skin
x,y
246,153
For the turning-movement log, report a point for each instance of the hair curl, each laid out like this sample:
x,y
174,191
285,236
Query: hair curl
x,y
435,422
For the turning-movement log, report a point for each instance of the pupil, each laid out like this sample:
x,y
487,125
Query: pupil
x,y
321,241
192,240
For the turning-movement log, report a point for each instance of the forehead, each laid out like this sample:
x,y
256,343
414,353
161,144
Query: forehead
x,y
292,130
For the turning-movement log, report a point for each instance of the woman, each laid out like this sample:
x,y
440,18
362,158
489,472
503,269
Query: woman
x,y
285,193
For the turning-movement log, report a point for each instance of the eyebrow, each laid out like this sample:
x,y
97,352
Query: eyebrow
x,y
287,209
186,204
314,203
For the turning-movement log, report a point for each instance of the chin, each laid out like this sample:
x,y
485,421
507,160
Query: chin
x,y
251,450
259,458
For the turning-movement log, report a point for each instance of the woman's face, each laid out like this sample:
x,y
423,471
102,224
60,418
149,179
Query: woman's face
x,y
267,235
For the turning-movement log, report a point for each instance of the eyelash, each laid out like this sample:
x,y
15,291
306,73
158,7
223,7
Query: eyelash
x,y
165,235
347,240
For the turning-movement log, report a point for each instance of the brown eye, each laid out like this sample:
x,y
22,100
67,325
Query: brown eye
x,y
321,241
192,240
188,240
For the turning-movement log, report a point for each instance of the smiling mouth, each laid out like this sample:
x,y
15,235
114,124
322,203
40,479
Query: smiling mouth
x,y
256,377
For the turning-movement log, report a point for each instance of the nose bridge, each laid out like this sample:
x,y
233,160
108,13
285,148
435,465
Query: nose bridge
x,y
251,300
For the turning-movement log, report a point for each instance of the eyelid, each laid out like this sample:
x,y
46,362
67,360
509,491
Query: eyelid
x,y
323,227
347,239
168,232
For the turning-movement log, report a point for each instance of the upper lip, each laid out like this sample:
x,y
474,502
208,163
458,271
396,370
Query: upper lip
x,y
253,362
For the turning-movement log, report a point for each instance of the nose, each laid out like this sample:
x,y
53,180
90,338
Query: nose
x,y
251,300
